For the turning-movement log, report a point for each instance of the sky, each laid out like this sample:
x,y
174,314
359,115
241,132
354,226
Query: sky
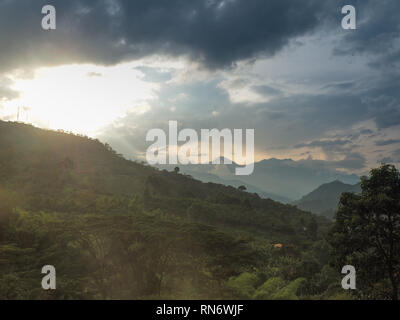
x,y
114,69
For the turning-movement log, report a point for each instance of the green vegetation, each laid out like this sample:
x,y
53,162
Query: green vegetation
x,y
117,229
367,234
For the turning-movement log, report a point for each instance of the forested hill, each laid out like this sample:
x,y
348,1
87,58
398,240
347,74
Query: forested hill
x,y
120,229
51,170
325,199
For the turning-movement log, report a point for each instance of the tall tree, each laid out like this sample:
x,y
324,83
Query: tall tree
x,y
366,233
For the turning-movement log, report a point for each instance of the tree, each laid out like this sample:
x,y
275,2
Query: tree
x,y
8,201
269,288
313,228
366,233
176,170
290,292
243,285
67,163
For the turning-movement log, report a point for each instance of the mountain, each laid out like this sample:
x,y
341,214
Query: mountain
x,y
293,179
281,180
325,199
222,174
118,229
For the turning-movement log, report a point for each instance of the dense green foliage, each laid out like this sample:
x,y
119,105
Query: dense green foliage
x,y
366,234
118,229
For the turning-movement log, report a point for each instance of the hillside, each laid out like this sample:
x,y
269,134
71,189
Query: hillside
x,y
56,163
325,199
212,173
117,229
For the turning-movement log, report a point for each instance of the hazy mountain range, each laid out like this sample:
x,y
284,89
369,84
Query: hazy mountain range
x,y
281,180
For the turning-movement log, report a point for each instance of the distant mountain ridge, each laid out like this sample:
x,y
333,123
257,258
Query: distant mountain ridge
x,y
281,180
214,177
324,200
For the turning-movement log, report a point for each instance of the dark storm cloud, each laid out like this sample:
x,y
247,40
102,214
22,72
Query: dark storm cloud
x,y
387,116
382,143
340,86
377,38
379,101
216,33
384,101
378,32
318,113
366,132
388,61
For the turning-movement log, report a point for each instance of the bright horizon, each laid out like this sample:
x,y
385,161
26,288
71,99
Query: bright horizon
x,y
311,91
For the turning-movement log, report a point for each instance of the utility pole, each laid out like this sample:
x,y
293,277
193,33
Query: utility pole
x,y
26,111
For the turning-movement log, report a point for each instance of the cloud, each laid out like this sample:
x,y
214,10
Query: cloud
x,y
352,161
215,33
382,143
366,132
156,75
386,160
324,143
6,93
340,86
377,34
284,124
266,90
387,116
257,64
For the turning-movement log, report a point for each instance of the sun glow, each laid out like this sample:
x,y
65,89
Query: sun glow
x,y
79,98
